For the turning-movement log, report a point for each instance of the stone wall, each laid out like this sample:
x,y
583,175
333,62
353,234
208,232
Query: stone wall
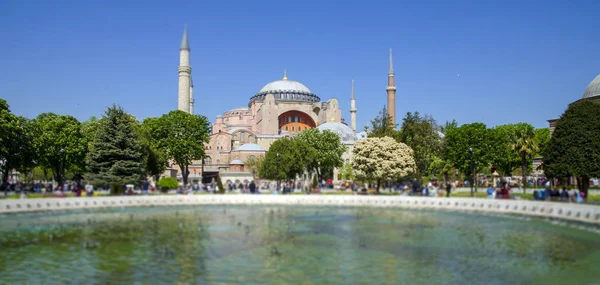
x,y
564,211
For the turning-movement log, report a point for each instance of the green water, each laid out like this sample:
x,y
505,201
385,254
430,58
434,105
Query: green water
x,y
291,245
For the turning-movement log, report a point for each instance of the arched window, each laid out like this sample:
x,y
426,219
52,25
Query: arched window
x,y
207,160
235,137
243,137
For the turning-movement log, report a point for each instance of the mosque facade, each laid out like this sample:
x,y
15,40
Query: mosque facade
x,y
282,108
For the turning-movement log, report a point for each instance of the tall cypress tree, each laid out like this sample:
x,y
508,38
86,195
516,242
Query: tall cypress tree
x,y
115,156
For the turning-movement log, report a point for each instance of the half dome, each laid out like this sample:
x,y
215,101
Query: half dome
x,y
251,147
593,88
347,135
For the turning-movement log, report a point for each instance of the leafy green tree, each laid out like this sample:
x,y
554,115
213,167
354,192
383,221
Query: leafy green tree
x,y
116,155
574,147
181,136
459,140
347,172
523,142
155,157
16,149
284,160
421,134
59,144
382,159
253,164
382,126
542,136
323,153
502,156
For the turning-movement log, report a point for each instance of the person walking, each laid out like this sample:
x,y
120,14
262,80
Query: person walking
x,y
89,189
145,186
252,187
448,188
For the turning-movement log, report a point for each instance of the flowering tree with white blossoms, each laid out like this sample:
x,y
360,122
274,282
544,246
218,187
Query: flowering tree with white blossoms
x,y
382,159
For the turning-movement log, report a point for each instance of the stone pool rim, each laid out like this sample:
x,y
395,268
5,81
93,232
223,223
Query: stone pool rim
x,y
554,210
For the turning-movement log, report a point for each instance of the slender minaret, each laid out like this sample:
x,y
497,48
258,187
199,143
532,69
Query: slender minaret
x,y
191,96
391,93
184,97
353,109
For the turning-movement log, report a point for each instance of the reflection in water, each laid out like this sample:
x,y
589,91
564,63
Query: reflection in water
x,y
284,245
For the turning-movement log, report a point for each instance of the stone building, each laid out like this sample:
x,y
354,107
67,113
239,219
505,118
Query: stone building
x,y
282,108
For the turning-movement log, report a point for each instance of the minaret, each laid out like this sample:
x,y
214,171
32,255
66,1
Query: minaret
x,y
191,96
391,93
353,109
184,97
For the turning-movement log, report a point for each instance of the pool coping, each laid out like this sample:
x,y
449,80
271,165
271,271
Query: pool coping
x,y
554,210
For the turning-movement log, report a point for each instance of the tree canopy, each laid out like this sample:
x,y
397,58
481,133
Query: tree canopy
x,y
458,142
16,150
574,147
59,144
382,126
284,160
324,151
421,134
382,159
116,154
181,136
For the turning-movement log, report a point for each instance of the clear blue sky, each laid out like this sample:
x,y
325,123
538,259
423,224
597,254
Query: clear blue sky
x,y
517,60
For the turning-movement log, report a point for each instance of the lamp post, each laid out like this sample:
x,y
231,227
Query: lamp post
x,y
471,169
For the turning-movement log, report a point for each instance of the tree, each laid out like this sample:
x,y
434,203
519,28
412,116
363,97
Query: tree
x,y
116,155
182,137
421,134
382,126
253,164
460,140
285,160
574,147
155,158
16,150
347,173
542,136
323,153
59,144
382,159
502,156
524,144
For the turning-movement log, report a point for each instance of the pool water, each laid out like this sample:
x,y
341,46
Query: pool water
x,y
292,245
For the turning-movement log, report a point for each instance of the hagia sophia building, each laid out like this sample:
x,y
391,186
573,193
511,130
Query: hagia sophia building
x,y
282,108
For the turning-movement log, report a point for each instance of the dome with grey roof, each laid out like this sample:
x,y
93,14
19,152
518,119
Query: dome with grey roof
x,y
347,135
593,89
251,147
286,90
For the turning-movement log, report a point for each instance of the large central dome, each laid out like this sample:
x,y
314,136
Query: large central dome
x,y
286,90
285,85
593,90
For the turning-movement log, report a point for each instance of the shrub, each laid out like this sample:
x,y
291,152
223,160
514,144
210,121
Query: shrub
x,y
167,183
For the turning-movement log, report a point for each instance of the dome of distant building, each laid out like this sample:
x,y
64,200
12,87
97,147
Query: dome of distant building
x,y
251,147
593,88
347,135
286,90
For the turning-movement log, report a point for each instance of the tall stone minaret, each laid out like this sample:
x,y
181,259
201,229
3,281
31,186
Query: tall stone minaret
x,y
191,96
184,97
391,93
353,109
